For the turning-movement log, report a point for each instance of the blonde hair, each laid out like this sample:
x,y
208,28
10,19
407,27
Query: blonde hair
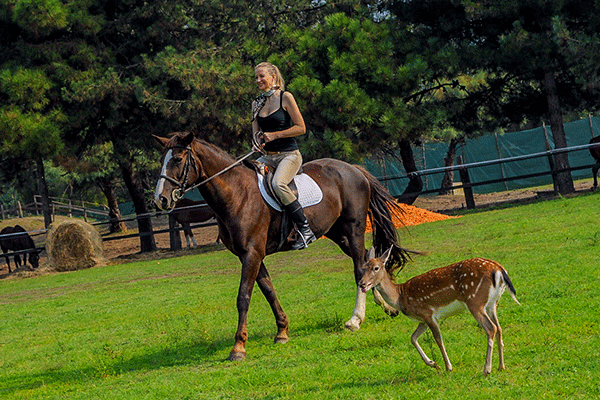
x,y
279,83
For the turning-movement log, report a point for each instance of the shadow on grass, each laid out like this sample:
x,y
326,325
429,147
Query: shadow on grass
x,y
100,367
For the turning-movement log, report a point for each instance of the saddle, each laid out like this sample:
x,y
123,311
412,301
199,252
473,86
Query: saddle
x,y
303,186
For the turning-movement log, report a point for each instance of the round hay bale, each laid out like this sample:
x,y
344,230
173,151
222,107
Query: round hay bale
x,y
74,245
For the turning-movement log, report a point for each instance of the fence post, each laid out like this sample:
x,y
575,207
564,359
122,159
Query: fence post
x,y
174,236
466,182
550,160
20,209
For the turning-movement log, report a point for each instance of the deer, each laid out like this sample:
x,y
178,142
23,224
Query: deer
x,y
475,285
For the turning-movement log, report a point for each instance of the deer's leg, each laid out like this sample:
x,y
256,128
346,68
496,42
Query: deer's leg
x,y
389,310
414,339
490,329
266,286
250,266
437,334
493,314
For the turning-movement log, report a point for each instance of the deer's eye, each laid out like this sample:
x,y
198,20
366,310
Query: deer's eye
x,y
376,269
177,159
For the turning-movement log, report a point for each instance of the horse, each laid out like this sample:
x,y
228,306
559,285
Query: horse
x,y
187,211
595,152
16,238
251,229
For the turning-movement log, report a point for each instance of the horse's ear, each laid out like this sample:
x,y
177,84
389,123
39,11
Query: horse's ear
x,y
188,138
371,253
163,141
386,255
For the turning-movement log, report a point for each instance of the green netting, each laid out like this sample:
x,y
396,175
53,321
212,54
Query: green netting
x,y
492,147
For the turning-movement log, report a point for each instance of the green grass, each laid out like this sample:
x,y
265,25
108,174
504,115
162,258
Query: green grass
x,y
163,329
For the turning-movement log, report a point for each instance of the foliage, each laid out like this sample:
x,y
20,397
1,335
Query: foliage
x,y
514,44
163,328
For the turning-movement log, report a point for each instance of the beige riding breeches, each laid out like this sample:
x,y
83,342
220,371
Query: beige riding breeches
x,y
287,164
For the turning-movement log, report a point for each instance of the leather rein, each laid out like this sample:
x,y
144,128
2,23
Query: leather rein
x,y
183,188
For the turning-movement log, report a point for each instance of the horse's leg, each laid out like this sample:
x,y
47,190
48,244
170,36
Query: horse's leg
x,y
352,242
250,267
7,259
595,174
193,240
266,286
188,234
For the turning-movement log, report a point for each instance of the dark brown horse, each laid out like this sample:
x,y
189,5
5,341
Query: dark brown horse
x,y
595,152
188,211
16,238
250,229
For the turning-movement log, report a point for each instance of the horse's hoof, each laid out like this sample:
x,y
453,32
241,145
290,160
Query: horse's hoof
x,y
236,356
282,340
352,326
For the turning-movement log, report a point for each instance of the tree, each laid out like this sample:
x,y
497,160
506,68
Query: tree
x,y
29,123
525,48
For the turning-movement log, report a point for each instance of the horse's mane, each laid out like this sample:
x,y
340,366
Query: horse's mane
x,y
177,137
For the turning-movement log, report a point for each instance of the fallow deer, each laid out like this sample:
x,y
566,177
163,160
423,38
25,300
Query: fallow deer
x,y
475,285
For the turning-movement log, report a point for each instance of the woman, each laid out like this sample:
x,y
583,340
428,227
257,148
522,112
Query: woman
x,y
276,115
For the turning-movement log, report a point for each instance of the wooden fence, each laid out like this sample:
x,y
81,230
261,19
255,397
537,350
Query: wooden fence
x,y
173,230
58,206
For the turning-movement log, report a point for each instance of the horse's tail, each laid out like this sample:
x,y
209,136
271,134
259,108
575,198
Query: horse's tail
x,y
382,206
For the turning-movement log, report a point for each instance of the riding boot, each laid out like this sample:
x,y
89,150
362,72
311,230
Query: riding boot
x,y
306,234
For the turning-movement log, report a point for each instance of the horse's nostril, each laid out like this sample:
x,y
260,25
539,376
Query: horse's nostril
x,y
164,202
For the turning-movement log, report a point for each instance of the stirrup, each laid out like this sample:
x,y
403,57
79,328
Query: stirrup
x,y
303,241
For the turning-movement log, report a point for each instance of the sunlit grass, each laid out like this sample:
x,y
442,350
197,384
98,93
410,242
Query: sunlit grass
x,y
162,329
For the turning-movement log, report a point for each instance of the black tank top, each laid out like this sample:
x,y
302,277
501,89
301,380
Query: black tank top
x,y
278,121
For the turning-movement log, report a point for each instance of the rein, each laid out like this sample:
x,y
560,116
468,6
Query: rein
x,y
177,194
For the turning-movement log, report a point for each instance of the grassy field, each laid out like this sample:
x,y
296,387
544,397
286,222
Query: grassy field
x,y
162,329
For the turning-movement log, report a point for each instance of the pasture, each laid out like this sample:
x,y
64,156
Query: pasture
x,y
163,329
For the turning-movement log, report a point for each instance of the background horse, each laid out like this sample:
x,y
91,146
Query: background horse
x,y
188,211
17,239
250,229
595,152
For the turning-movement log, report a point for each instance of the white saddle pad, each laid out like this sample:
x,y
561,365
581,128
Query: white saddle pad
x,y
309,193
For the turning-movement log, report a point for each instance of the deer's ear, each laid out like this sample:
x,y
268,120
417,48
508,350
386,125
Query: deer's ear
x,y
371,253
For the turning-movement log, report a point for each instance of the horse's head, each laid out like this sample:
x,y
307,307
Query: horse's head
x,y
179,169
34,258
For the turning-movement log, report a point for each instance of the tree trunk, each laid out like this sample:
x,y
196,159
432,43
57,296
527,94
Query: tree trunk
x,y
448,179
564,181
415,184
136,191
114,214
43,188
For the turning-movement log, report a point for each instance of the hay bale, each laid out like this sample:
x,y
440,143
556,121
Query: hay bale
x,y
74,245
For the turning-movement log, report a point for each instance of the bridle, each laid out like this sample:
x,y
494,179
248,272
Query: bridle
x,y
190,162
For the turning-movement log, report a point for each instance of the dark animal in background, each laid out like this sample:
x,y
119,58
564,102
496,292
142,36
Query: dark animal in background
x,y
18,239
595,152
188,211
